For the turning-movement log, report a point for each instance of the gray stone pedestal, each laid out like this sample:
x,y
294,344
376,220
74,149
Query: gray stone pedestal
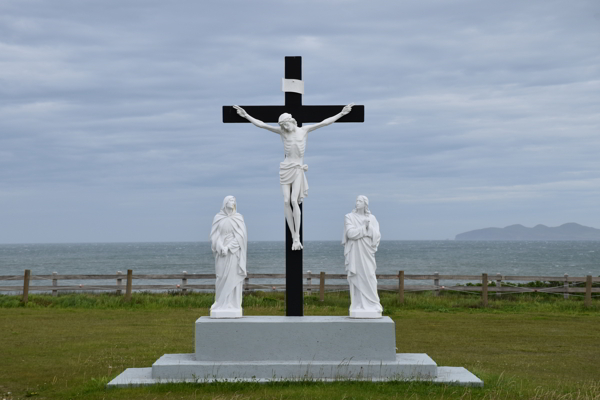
x,y
308,338
266,348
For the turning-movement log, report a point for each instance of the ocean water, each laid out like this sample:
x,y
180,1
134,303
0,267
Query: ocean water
x,y
414,257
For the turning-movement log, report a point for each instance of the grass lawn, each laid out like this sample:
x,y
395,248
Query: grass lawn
x,y
523,347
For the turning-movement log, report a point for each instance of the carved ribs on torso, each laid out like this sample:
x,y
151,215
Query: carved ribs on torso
x,y
294,144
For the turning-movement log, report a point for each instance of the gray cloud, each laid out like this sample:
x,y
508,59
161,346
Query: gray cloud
x,y
477,114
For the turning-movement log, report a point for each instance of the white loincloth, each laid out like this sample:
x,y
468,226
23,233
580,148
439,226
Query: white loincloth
x,y
288,173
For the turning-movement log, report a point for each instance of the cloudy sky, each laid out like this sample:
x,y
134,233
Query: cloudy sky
x,y
477,114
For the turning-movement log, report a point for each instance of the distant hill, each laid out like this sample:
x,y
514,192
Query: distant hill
x,y
569,231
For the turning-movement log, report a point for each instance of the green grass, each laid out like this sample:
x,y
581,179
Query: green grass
x,y
336,303
523,347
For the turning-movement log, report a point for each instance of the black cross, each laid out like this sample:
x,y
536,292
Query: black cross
x,y
294,299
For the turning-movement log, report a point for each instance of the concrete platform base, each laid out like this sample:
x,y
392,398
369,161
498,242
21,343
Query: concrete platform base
x,y
315,338
405,366
132,377
266,349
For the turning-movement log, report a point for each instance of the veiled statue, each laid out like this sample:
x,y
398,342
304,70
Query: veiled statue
x,y
229,242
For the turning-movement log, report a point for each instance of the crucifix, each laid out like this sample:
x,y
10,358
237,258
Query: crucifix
x,y
290,118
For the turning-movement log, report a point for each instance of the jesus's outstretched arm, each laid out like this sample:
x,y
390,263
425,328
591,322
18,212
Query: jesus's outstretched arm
x,y
330,120
242,113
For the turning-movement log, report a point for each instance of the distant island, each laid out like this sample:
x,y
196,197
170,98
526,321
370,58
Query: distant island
x,y
569,231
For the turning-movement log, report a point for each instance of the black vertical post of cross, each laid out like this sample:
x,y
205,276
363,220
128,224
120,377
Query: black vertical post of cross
x,y
294,297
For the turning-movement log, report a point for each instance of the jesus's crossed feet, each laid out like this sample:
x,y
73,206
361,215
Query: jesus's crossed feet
x,y
296,245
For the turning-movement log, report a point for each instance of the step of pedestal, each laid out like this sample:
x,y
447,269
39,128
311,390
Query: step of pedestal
x,y
143,376
186,367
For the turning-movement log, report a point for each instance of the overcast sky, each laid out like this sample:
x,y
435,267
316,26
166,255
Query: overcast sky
x,y
477,114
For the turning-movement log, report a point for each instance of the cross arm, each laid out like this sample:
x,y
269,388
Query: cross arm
x,y
303,114
330,120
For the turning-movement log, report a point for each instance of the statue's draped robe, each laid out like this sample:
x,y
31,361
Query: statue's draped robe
x,y
230,231
359,252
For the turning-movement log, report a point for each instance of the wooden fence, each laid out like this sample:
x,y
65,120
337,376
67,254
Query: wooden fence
x,y
501,284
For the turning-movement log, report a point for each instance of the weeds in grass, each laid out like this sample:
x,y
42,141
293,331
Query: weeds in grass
x,y
501,390
335,302
514,389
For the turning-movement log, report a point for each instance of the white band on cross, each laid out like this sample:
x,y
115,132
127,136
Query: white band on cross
x,y
292,85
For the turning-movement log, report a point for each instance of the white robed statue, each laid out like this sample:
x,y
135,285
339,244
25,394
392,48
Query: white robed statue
x,y
360,241
229,245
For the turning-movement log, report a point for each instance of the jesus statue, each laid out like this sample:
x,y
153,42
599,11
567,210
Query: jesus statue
x,y
291,171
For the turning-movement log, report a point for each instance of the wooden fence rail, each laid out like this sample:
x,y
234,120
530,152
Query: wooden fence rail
x,y
564,284
528,278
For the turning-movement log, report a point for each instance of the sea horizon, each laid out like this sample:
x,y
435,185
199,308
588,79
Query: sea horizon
x,y
265,256
308,241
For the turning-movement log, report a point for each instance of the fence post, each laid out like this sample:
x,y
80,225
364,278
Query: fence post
x,y
26,279
566,287
436,283
183,283
129,285
498,283
322,286
588,291
119,283
308,283
401,287
54,283
484,289
246,283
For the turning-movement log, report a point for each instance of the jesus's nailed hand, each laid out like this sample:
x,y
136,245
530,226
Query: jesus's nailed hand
x,y
347,109
241,112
